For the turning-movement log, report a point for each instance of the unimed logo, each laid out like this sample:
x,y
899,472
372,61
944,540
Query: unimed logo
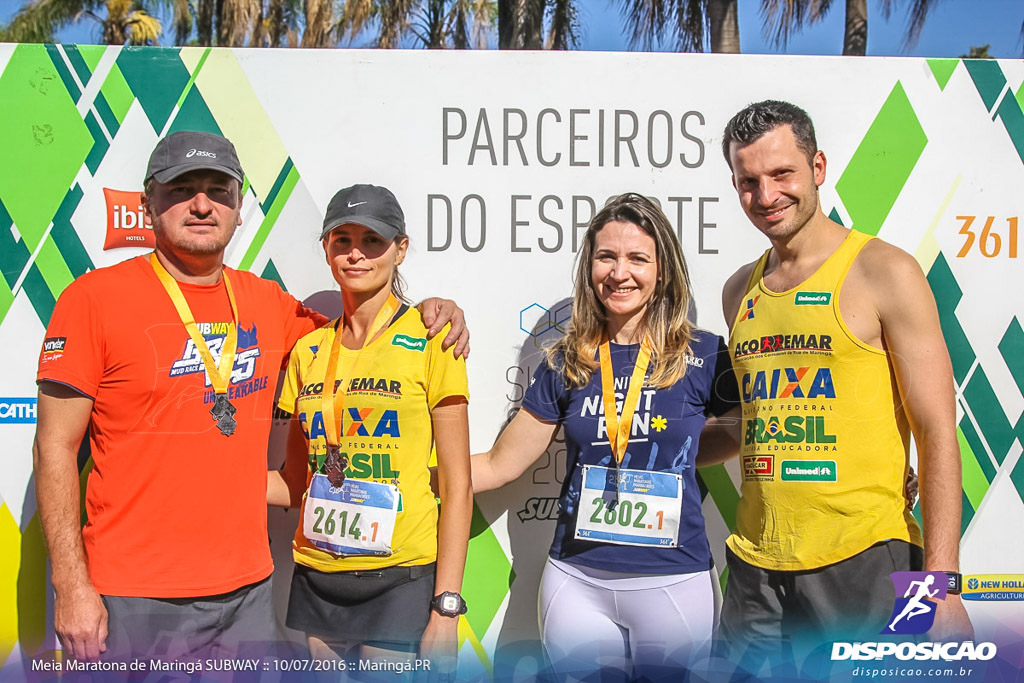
x,y
126,222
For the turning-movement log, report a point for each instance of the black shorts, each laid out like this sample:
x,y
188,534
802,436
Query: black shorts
x,y
848,600
387,608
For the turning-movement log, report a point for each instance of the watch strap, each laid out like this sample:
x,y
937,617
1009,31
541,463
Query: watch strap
x,y
437,604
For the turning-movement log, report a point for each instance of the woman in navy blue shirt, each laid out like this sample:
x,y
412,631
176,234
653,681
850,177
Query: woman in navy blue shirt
x,y
628,581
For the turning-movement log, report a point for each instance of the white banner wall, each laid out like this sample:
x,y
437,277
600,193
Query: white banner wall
x,y
499,160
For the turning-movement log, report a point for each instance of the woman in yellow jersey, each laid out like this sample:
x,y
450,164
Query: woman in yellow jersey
x,y
376,565
628,585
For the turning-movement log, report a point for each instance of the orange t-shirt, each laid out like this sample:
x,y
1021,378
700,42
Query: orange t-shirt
x,y
175,508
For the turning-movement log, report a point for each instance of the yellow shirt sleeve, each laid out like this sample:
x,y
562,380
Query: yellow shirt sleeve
x,y
446,375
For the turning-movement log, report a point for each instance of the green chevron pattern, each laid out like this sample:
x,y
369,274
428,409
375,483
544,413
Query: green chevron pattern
x,y
882,163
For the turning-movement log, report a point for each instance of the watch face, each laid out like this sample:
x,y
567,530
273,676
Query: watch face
x,y
450,603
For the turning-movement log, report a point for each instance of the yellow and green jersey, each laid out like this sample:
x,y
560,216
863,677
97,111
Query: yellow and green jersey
x,y
389,387
824,445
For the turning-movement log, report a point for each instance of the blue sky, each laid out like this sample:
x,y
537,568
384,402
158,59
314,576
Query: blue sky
x,y
952,28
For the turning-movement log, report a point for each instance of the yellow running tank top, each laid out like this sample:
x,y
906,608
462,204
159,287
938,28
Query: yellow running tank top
x,y
824,450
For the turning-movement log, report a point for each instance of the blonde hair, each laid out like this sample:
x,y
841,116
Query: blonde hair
x,y
665,320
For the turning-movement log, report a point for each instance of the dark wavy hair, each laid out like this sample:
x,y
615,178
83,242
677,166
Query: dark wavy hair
x,y
759,118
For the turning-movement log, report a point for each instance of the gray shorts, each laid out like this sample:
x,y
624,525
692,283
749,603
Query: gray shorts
x,y
767,612
229,626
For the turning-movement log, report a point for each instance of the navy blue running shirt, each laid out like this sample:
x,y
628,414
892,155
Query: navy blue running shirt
x,y
665,437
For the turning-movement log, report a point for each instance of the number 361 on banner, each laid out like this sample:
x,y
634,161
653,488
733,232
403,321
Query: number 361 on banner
x,y
994,234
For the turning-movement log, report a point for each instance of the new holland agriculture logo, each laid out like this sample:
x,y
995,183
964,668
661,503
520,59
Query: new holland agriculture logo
x,y
993,587
914,614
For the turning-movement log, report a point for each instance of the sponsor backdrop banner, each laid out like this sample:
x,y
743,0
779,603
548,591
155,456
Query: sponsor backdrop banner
x,y
500,160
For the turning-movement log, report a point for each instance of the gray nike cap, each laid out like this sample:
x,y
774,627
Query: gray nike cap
x,y
371,206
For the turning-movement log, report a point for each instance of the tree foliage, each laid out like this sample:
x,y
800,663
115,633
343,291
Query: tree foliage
x,y
688,25
119,21
783,18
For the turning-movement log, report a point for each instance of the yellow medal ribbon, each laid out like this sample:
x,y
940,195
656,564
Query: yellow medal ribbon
x,y
619,429
219,376
330,398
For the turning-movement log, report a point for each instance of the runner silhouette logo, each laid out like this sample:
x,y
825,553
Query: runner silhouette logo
x,y
916,593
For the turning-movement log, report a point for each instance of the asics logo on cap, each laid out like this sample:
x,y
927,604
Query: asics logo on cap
x,y
199,153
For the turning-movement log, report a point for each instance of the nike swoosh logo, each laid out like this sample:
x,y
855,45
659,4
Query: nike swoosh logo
x,y
350,204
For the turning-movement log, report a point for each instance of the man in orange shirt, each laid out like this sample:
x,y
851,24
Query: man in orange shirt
x,y
170,361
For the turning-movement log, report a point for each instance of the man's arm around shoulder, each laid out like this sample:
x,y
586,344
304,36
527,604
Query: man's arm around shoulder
x,y
79,617
913,337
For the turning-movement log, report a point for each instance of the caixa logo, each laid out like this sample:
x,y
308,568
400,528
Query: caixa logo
x,y
126,221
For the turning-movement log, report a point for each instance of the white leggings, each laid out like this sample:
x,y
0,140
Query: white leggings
x,y
624,624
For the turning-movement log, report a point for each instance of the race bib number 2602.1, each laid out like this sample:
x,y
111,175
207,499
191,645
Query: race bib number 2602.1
x,y
630,507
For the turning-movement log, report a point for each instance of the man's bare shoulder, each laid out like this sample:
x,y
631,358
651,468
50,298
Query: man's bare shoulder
x,y
885,263
891,275
733,290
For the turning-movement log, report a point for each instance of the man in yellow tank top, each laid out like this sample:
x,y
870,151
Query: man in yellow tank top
x,y
837,347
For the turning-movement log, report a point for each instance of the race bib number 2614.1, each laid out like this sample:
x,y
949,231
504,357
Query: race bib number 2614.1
x,y
357,518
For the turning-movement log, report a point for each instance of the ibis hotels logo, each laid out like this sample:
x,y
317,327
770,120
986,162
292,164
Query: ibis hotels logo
x,y
126,221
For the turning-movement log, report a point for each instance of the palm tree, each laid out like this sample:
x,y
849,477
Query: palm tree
x,y
725,26
120,21
521,24
433,23
564,31
277,24
689,23
225,23
785,17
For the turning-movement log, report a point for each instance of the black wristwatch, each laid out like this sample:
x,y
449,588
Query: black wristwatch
x,y
448,604
955,581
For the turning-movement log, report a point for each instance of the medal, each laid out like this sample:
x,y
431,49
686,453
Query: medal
x,y
619,429
224,413
336,461
334,466
220,375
